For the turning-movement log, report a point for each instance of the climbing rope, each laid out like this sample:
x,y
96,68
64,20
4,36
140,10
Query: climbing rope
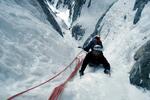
x,y
18,94
59,89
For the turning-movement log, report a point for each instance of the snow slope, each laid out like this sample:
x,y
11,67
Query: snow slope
x,y
31,51
121,39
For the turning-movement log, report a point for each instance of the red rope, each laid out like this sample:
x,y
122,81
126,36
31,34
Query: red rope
x,y
18,94
59,89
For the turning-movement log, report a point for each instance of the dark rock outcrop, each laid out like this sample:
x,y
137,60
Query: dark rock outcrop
x,y
45,12
139,6
140,73
78,32
98,26
74,7
89,4
50,17
77,9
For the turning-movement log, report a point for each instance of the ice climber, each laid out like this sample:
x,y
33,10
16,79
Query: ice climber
x,y
95,56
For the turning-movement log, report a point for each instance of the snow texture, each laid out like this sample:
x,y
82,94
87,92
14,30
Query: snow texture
x,y
31,51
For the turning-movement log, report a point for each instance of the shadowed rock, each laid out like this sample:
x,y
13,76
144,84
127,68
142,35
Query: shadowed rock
x,y
78,32
139,6
50,17
140,73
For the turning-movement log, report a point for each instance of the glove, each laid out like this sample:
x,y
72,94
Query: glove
x,y
80,47
106,71
81,73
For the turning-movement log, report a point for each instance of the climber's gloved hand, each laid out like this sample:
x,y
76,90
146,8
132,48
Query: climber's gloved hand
x,y
107,71
80,47
81,73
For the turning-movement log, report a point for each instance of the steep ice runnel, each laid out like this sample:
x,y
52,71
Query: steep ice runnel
x,y
121,39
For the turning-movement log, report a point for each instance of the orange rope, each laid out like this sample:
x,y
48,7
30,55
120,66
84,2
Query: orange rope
x,y
18,94
59,89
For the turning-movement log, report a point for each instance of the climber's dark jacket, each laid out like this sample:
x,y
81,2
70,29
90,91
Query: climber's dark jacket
x,y
94,57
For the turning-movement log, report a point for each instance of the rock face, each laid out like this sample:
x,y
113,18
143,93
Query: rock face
x,y
45,12
98,26
74,6
140,73
139,6
78,32
50,16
